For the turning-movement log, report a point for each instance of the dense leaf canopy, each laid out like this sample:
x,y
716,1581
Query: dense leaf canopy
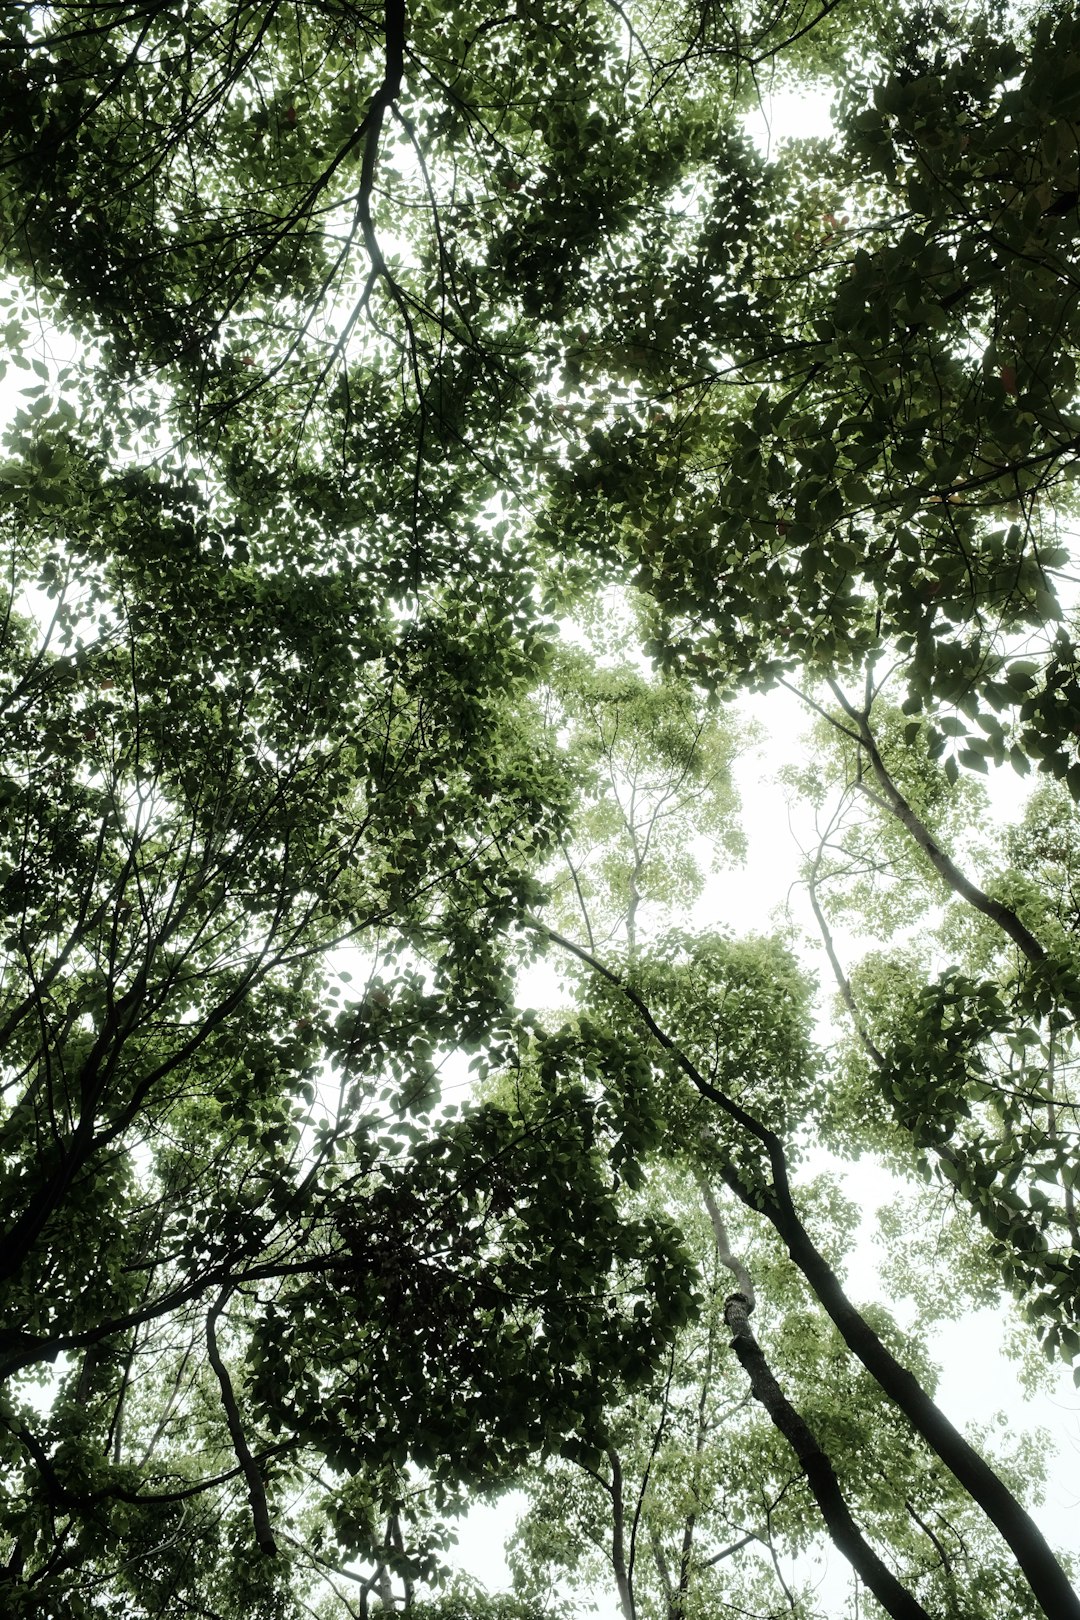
x,y
426,421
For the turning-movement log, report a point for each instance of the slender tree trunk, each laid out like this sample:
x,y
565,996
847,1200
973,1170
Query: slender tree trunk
x,y
674,1612
260,1513
632,904
819,1471
385,1588
1045,1575
894,1598
701,1430
1029,1547
743,1281
618,1538
399,1547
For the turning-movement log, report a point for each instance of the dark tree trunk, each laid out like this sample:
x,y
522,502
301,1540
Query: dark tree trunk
x,y
894,1598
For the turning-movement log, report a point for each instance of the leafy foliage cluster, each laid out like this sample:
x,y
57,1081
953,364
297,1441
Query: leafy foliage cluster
x,y
458,406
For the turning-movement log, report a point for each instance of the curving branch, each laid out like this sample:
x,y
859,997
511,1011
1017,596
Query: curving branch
x,y
892,800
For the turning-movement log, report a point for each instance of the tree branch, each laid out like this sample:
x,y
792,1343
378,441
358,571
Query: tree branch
x,y
1004,916
723,1246
380,103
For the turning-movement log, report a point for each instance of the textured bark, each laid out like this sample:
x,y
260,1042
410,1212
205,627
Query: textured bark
x,y
618,1537
723,1247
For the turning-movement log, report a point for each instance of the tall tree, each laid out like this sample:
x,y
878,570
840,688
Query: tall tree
x,y
698,1506
400,330
218,774
973,1060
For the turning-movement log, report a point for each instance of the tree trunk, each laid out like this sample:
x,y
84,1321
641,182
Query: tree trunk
x,y
894,1598
674,1611
260,1513
618,1538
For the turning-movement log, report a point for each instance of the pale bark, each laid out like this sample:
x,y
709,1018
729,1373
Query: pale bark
x,y
618,1538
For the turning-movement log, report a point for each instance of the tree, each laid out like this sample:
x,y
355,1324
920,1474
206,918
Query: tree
x,y
217,776
982,1049
715,1508
738,1010
401,336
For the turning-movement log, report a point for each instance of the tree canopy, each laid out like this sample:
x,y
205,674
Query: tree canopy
x,y
424,423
